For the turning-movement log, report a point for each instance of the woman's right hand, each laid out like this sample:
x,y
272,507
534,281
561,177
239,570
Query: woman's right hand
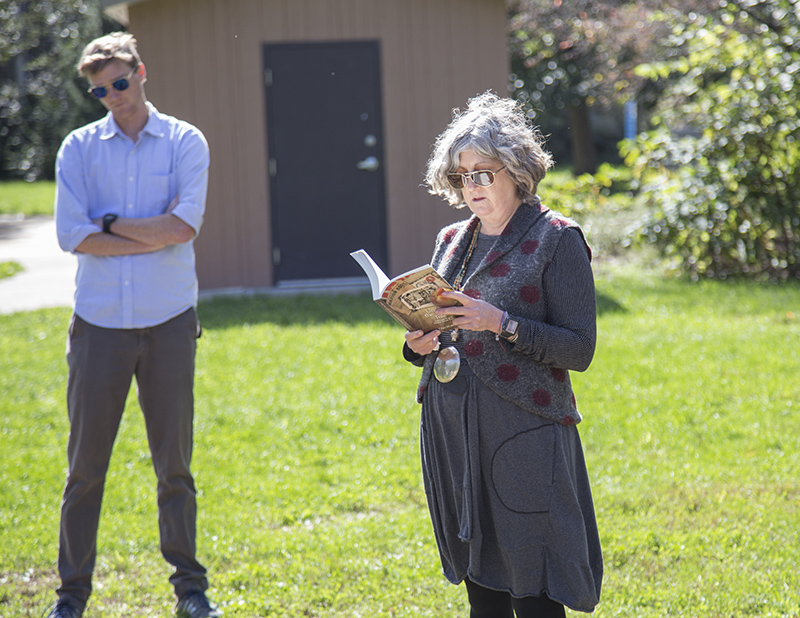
x,y
423,343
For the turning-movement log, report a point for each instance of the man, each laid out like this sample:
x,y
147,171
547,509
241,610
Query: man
x,y
130,198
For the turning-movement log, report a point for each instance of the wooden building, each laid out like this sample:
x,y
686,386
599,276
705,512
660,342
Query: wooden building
x,y
320,115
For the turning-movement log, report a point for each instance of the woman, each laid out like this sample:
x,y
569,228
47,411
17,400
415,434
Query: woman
x,y
502,461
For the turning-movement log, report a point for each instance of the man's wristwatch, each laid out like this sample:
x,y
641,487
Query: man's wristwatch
x,y
509,330
107,221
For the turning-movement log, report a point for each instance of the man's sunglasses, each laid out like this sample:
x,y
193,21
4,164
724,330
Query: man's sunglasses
x,y
481,178
98,92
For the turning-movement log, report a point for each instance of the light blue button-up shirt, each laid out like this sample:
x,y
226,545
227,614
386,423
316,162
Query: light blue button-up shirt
x,y
99,170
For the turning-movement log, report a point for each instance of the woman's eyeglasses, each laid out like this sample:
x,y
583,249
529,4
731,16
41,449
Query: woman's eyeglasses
x,y
481,178
98,92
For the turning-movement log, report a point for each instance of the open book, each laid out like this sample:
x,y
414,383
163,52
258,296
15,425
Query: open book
x,y
409,298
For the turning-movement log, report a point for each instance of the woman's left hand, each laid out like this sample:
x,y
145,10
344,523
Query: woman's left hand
x,y
473,314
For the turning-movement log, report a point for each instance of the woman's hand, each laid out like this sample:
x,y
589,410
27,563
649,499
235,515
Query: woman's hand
x,y
472,314
423,343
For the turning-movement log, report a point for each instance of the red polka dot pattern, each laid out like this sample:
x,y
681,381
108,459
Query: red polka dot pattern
x,y
541,398
473,348
473,293
530,294
492,256
508,373
500,270
559,374
569,420
529,246
449,235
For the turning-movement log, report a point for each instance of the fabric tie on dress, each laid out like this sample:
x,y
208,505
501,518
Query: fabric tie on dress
x,y
465,516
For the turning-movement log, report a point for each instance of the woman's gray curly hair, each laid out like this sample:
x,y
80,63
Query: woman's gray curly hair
x,y
494,128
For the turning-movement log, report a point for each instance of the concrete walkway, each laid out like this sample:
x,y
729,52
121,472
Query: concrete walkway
x,y
48,278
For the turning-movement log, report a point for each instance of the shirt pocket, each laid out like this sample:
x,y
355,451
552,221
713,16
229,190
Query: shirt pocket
x,y
158,190
522,470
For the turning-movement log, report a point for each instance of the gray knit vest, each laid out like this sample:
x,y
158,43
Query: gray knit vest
x,y
510,278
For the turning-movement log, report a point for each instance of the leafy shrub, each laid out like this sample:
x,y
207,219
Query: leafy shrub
x,y
606,189
722,168
42,98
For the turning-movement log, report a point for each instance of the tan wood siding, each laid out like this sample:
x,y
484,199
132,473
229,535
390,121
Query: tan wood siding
x,y
204,60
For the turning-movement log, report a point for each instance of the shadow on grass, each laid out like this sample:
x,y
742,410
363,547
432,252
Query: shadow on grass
x,y
227,312
607,304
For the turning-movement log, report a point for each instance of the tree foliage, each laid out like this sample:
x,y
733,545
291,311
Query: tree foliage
x,y
41,96
583,50
571,56
722,166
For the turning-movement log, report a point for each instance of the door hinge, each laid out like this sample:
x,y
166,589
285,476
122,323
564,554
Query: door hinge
x,y
276,256
268,77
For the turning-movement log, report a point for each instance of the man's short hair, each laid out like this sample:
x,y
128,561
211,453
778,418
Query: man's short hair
x,y
115,46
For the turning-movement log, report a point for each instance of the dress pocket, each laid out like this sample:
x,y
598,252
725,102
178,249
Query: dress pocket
x,y
522,470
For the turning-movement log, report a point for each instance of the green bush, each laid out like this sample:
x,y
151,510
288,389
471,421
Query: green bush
x,y
607,189
722,168
42,98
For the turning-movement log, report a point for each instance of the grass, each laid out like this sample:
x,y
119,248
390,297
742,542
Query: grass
x,y
9,269
307,460
307,454
29,199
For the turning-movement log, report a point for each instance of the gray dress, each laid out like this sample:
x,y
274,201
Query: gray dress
x,y
508,490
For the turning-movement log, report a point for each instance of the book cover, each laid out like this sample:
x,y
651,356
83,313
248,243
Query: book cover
x,y
409,298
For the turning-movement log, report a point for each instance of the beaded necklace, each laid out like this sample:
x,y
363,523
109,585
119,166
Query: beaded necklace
x,y
459,280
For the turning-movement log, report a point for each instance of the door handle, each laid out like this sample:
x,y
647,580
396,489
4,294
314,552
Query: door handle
x,y
370,164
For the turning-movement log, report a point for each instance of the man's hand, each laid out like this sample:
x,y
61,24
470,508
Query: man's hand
x,y
131,236
111,244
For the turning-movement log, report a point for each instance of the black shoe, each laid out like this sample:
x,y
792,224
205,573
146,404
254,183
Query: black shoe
x,y
195,605
64,610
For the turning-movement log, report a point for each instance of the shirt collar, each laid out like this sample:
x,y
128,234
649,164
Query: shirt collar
x,y
154,124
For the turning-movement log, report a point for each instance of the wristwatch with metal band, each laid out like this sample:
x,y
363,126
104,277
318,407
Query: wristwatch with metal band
x,y
107,221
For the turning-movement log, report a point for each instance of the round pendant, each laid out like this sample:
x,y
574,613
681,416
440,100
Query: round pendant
x,y
447,364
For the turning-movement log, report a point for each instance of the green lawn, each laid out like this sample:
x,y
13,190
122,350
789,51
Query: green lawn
x,y
307,460
18,197
9,269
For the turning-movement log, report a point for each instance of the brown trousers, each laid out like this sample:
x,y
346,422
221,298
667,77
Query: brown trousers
x,y
102,363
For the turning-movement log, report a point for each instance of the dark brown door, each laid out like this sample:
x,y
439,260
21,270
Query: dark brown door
x,y
325,158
